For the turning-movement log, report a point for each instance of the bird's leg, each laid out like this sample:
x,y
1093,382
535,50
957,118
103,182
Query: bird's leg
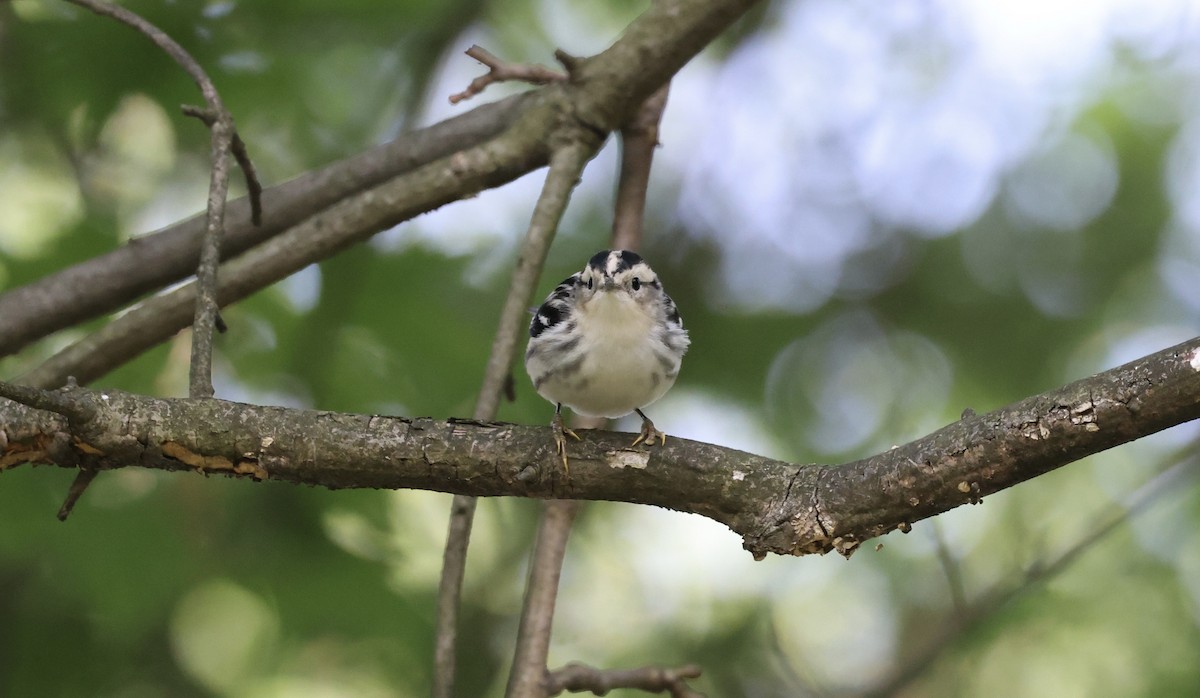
x,y
649,432
560,436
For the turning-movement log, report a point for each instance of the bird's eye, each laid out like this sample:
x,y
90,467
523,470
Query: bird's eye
x,y
590,282
636,283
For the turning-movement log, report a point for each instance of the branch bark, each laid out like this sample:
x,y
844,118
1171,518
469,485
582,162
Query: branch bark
x,y
776,507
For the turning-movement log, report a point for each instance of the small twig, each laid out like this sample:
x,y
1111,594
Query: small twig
x,y
528,676
454,567
577,678
566,164
78,485
254,188
502,71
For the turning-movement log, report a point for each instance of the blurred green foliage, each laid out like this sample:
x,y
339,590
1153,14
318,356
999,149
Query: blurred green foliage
x,y
181,585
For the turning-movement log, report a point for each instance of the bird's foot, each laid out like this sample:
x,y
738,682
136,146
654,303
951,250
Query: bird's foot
x,y
561,433
649,433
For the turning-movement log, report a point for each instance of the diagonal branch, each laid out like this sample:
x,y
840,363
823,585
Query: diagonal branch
x,y
107,282
350,221
687,25
565,167
776,507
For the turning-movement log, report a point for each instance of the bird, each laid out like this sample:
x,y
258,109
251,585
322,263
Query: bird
x,y
606,342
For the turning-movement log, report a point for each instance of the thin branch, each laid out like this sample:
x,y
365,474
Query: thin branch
x,y
82,479
56,401
254,188
204,323
776,507
566,164
454,566
527,679
502,71
964,620
578,678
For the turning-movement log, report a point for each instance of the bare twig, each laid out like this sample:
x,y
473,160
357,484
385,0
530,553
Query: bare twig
x,y
577,678
979,610
454,566
566,164
204,323
528,676
56,401
82,479
254,189
502,71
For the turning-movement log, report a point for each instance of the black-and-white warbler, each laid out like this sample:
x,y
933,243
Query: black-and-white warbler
x,y
608,341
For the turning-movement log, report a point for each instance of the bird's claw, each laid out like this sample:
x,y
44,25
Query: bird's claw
x,y
561,433
649,434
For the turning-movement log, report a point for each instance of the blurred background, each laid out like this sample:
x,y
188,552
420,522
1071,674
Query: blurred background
x,y
872,216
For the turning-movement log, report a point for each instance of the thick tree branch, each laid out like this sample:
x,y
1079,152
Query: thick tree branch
x,y
776,506
566,165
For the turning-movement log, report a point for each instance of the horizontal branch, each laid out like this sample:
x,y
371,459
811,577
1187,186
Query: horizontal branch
x,y
775,506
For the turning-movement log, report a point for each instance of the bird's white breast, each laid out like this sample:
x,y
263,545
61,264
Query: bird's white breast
x,y
622,365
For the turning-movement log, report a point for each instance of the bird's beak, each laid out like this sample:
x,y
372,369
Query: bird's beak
x,y
609,284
